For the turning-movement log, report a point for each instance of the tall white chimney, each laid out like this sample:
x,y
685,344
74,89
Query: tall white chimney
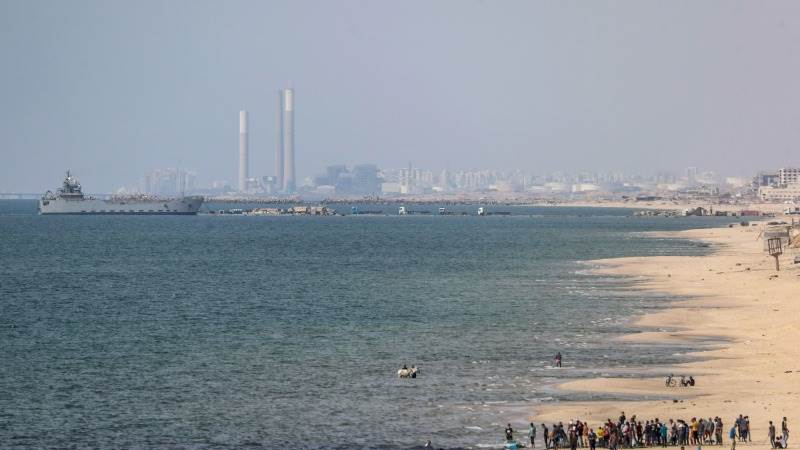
x,y
244,170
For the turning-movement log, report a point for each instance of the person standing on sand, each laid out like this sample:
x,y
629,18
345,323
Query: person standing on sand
x,y
740,427
747,436
592,438
771,434
573,440
545,436
585,436
613,440
732,436
532,434
785,431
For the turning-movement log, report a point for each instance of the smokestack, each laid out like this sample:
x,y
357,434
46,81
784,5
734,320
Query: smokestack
x,y
288,141
279,144
244,172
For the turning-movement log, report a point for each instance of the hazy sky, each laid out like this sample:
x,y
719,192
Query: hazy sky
x,y
113,89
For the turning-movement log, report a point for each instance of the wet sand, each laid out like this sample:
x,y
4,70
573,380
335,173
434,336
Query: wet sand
x,y
735,304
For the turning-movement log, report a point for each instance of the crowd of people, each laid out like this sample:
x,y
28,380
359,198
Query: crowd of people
x,y
632,432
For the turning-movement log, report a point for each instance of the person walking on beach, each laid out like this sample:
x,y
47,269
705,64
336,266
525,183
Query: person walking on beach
x,y
732,436
771,434
557,359
532,434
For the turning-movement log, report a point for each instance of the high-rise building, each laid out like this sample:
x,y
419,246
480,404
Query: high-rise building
x,y
244,172
168,182
788,175
691,175
284,151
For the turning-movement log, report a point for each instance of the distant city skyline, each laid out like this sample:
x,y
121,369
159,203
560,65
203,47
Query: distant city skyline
x,y
370,180
115,90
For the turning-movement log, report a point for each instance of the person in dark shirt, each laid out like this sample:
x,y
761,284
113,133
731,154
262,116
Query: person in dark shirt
x,y
546,435
785,430
592,439
509,433
771,434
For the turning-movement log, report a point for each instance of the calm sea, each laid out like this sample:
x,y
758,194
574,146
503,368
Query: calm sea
x,y
286,332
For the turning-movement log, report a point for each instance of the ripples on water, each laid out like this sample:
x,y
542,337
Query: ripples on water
x,y
286,332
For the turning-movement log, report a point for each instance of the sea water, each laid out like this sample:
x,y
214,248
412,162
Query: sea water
x,y
287,332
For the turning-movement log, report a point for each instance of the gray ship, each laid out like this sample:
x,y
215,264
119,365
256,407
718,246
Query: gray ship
x,y
69,199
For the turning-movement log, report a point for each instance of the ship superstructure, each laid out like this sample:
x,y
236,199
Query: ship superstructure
x,y
69,199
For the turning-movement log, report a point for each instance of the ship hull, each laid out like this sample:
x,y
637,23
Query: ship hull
x,y
186,206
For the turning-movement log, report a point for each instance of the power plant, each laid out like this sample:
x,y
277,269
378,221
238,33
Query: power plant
x,y
285,178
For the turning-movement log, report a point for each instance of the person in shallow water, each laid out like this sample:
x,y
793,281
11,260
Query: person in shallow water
x,y
404,372
558,359
509,433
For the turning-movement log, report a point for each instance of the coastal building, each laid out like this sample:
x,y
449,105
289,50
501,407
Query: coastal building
x,y
788,175
168,182
691,175
782,193
766,179
585,187
363,179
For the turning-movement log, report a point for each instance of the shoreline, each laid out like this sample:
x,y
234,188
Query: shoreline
x,y
732,315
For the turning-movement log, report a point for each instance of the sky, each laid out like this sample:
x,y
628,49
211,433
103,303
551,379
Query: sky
x,y
113,89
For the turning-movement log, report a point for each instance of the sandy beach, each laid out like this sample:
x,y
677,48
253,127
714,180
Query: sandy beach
x,y
735,303
677,205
